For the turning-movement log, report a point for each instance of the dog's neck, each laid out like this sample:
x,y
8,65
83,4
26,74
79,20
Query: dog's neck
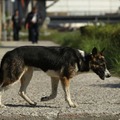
x,y
84,65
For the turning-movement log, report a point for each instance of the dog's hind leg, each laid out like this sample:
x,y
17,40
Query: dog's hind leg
x,y
1,105
25,80
7,83
66,84
54,84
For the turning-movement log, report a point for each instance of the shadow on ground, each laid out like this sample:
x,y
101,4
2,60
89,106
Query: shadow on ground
x,y
108,85
29,106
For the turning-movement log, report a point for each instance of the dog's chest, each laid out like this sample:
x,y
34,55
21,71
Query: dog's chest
x,y
72,70
52,73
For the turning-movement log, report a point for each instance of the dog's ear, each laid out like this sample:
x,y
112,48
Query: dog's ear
x,y
94,51
102,51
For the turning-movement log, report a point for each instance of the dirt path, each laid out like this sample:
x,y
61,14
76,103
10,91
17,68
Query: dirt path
x,y
96,99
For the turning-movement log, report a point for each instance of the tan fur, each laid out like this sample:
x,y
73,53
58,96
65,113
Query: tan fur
x,y
7,82
25,80
66,87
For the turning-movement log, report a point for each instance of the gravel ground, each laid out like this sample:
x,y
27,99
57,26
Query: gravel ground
x,y
96,99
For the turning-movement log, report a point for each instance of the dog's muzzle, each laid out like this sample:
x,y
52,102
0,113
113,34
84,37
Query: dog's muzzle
x,y
107,73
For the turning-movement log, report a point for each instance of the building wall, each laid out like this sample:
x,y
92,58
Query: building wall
x,y
85,7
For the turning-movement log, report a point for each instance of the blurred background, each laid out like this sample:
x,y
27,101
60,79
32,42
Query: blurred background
x,y
82,24
62,14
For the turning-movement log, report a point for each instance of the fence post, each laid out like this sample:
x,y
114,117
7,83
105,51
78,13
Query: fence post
x,y
0,20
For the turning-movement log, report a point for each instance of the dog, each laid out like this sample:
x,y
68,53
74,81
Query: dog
x,y
60,63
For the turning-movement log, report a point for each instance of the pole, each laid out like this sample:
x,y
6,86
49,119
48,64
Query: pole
x,y
0,20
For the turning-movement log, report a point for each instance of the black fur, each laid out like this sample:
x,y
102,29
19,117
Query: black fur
x,y
45,58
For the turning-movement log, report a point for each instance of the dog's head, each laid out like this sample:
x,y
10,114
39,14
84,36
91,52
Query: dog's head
x,y
98,64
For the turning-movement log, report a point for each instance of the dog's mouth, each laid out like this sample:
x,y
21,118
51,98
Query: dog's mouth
x,y
105,76
101,74
102,77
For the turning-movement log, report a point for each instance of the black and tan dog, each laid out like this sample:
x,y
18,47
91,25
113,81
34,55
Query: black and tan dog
x,y
60,63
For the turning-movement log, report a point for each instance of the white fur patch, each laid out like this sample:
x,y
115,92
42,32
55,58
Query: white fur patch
x,y
76,67
107,73
82,53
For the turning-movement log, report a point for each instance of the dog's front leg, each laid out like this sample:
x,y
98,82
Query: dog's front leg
x,y
66,84
54,84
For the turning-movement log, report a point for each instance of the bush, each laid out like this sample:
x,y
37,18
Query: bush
x,y
115,38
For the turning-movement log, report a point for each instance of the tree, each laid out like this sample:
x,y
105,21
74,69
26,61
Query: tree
x,y
0,19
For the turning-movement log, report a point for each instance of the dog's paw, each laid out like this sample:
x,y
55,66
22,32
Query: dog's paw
x,y
33,104
73,105
44,98
2,106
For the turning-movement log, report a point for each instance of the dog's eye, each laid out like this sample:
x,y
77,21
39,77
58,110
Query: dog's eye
x,y
99,61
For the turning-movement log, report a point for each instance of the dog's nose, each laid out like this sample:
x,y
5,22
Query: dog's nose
x,y
109,75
